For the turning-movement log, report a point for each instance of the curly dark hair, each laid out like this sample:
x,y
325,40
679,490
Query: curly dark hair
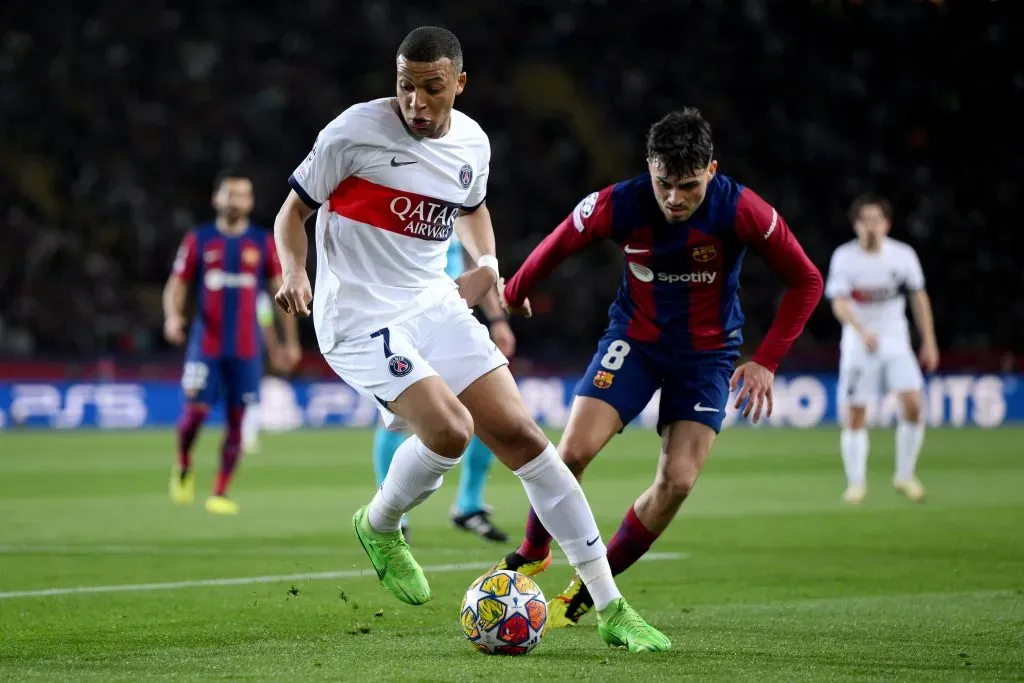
x,y
431,43
681,141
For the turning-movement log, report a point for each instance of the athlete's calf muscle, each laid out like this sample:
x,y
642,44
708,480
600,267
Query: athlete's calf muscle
x,y
501,419
685,447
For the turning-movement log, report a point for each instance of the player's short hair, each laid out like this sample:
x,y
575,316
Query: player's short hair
x,y
681,142
869,200
431,43
228,174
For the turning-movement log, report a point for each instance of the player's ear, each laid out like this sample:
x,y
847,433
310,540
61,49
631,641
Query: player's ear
x,y
460,83
713,168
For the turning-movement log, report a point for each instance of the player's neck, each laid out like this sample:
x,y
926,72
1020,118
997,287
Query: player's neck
x,y
871,248
232,228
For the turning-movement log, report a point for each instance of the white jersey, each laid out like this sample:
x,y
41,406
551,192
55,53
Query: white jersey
x,y
388,204
876,284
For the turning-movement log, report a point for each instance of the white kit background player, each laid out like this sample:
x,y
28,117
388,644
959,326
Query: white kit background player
x,y
390,180
869,281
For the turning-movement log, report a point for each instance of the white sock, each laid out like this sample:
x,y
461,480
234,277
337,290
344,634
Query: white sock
x,y
415,473
854,447
909,438
559,502
251,424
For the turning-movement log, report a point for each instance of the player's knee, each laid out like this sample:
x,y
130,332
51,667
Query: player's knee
x,y
857,418
576,455
449,435
912,408
675,485
677,478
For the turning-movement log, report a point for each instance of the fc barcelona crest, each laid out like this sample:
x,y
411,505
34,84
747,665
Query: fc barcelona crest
x,y
466,176
603,380
704,253
250,256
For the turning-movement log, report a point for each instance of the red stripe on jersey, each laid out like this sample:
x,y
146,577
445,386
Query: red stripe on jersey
x,y
253,259
397,211
704,313
212,343
187,258
639,248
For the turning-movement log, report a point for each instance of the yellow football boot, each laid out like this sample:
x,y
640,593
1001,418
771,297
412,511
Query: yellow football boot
x,y
220,505
183,488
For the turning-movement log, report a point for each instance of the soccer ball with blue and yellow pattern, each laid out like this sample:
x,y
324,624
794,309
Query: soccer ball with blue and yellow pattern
x,y
504,612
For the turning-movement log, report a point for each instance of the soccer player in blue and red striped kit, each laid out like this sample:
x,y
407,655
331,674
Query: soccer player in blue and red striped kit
x,y
676,325
228,261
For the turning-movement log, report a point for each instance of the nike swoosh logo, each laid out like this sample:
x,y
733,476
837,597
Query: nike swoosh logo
x,y
595,540
396,164
630,250
704,409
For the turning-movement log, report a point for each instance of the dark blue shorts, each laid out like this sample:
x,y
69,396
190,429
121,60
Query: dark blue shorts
x,y
208,380
626,373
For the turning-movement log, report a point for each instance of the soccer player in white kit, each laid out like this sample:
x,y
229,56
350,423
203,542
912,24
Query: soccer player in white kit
x,y
390,180
869,281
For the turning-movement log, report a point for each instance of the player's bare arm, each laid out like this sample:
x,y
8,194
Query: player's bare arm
x,y
842,309
289,351
295,293
491,306
921,308
174,297
476,233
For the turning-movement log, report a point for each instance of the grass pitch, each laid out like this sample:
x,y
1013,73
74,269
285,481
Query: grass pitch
x,y
764,576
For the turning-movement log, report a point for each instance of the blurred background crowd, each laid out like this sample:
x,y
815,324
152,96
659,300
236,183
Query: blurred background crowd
x,y
117,116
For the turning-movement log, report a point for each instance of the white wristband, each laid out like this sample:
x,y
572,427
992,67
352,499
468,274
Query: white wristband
x,y
489,261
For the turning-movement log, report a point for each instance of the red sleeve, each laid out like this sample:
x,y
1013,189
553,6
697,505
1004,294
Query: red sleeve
x,y
589,222
760,226
273,261
187,258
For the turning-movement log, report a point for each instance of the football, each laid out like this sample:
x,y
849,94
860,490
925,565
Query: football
x,y
504,612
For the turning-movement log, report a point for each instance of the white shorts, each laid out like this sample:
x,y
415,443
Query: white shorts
x,y
865,378
444,340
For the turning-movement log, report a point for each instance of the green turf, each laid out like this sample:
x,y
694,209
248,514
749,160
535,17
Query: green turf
x,y
775,579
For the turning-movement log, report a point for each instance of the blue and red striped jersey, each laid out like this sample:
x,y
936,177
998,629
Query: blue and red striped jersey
x,y
228,271
681,281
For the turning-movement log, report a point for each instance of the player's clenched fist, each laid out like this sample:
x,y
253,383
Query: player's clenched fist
x,y
295,294
523,310
757,388
474,284
174,329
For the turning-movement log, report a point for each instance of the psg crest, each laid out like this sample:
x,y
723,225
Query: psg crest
x,y
466,176
399,366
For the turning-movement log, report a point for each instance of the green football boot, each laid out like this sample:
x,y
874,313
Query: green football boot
x,y
620,626
396,568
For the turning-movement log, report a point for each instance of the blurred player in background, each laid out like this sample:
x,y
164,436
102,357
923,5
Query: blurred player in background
x,y
469,512
228,261
676,325
390,180
280,358
868,282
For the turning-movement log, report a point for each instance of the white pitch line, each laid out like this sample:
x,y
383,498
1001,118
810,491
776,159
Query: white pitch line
x,y
103,549
273,578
